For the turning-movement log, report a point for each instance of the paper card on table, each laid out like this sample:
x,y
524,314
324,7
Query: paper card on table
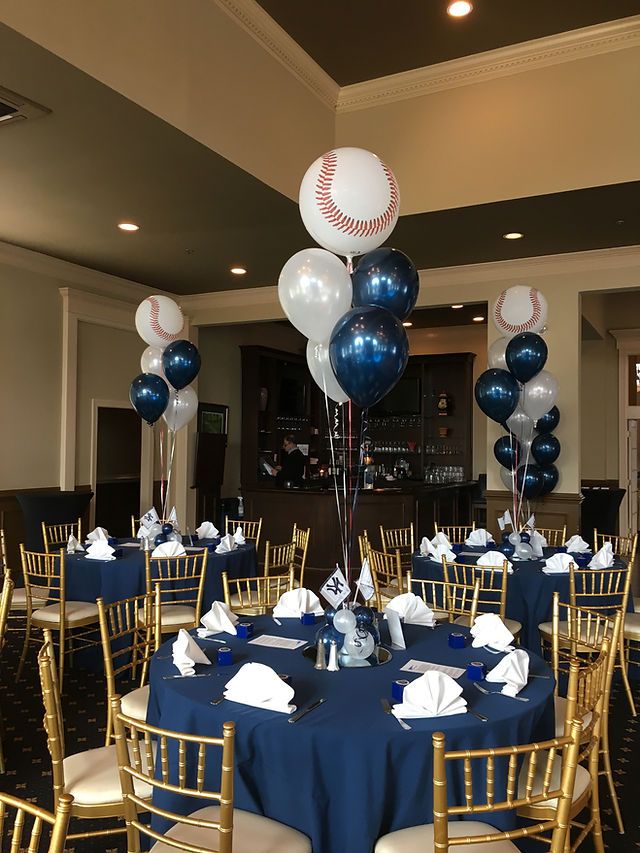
x,y
365,581
505,519
335,589
150,517
277,642
395,630
129,545
426,666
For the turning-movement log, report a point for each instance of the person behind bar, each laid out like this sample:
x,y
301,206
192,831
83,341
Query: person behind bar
x,y
292,468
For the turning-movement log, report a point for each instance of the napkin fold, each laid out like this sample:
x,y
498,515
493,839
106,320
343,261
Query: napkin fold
x,y
73,545
577,545
441,539
537,542
207,530
513,669
218,618
479,538
227,543
495,559
434,694
558,564
412,609
100,550
603,559
238,536
436,552
187,653
294,603
261,687
489,630
169,549
98,533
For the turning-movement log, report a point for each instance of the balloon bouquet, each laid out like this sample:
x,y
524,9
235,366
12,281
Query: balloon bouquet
x,y
520,395
169,364
357,348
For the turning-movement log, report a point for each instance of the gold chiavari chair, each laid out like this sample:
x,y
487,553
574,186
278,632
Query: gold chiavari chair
x,y
19,597
449,601
183,765
455,533
255,596
56,536
623,546
300,539
128,644
250,529
399,539
181,582
386,572
44,581
363,545
5,607
493,588
585,699
27,830
279,559
90,777
134,526
555,536
558,776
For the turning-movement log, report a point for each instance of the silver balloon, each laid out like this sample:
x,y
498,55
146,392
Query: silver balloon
x,y
520,424
183,406
514,538
344,621
496,355
358,644
507,479
322,372
151,361
524,551
540,394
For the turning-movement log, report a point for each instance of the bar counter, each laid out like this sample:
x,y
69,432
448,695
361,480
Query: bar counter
x,y
393,505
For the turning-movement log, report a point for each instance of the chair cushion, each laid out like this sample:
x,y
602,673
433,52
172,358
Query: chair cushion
x,y
419,839
173,614
75,613
19,600
252,833
561,712
632,626
636,603
134,704
586,632
582,783
92,777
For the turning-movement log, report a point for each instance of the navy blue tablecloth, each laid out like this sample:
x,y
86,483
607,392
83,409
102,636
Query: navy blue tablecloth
x,y
347,773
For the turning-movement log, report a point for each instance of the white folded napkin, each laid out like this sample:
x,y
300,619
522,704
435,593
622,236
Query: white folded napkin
x,y
513,669
412,609
207,530
169,549
537,542
258,685
436,552
187,653
227,543
98,533
495,559
603,559
558,564
489,630
73,545
218,619
441,539
577,545
434,694
100,550
238,536
294,603
478,538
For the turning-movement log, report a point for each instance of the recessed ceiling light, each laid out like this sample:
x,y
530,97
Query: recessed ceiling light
x,y
407,324
455,307
238,270
513,235
459,8
128,226
478,319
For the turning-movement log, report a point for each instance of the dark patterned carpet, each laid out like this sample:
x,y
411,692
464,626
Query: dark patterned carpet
x,y
28,767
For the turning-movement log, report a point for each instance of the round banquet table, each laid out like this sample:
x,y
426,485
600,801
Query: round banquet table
x,y
529,589
346,773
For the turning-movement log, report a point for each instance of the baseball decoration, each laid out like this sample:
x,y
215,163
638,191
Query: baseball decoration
x,y
349,201
159,321
520,309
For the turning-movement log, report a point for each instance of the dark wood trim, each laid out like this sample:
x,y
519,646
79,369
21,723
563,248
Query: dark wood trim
x,y
554,510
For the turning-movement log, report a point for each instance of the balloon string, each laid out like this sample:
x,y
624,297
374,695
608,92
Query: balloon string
x,y
514,468
345,486
349,264
162,469
356,492
526,466
350,484
333,456
173,448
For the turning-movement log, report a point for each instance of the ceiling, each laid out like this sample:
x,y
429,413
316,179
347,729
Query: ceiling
x,y
356,41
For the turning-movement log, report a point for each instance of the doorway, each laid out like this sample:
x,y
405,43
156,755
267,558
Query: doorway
x,y
117,468
633,522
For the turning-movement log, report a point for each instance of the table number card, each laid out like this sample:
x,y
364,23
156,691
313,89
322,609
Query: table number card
x,y
335,589
395,630
425,666
277,642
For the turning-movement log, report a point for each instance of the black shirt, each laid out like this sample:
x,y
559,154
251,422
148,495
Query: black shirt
x,y
292,468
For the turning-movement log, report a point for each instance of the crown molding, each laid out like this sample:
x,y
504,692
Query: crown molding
x,y
502,62
276,41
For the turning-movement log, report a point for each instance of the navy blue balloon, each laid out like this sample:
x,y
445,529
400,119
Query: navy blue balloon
x,y
525,537
369,351
167,529
547,423
526,355
149,395
505,536
497,393
507,451
181,363
529,481
506,548
550,476
386,278
160,539
545,449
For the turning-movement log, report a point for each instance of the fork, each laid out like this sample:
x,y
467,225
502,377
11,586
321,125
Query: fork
x,y
386,707
498,693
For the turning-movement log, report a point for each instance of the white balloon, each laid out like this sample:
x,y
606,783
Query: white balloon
x,y
344,621
520,424
359,643
151,362
496,356
322,372
514,538
540,394
182,407
507,479
349,201
315,291
159,321
523,551
519,309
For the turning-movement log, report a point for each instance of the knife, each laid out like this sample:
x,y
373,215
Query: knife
x,y
386,707
300,714
196,675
